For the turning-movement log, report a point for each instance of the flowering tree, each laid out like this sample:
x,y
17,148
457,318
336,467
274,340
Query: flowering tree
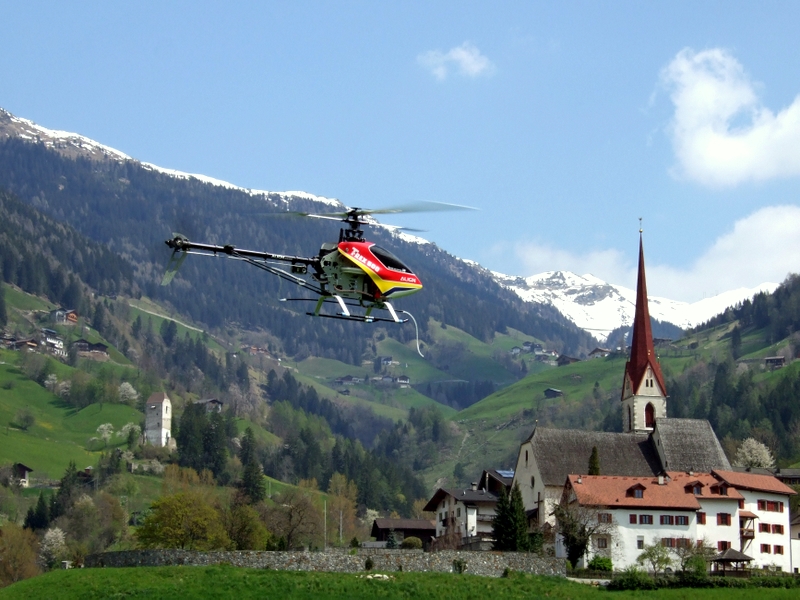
x,y
752,453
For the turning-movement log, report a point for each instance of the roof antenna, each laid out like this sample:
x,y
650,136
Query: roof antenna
x,y
640,225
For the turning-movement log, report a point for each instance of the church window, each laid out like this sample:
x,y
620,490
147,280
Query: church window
x,y
649,415
630,418
533,480
526,458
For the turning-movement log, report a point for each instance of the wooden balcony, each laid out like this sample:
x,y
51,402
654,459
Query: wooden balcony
x,y
747,533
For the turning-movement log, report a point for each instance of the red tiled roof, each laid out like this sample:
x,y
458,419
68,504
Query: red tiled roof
x,y
746,514
157,398
602,490
752,481
642,351
709,483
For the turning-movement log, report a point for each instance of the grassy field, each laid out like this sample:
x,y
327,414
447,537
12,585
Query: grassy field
x,y
59,434
232,582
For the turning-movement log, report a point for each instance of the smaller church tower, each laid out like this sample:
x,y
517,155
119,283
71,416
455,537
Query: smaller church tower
x,y
644,396
158,420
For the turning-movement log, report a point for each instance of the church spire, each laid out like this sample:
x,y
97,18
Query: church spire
x,y
643,387
642,351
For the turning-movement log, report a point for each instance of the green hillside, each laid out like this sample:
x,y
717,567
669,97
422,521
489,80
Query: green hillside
x,y
59,434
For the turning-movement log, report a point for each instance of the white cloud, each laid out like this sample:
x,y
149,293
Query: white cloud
x,y
761,248
466,59
712,94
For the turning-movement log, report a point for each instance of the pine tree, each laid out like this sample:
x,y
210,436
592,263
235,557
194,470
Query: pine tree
x,y
501,524
252,476
519,521
391,540
594,462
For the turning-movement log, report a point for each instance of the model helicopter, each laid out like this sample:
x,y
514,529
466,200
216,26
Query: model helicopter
x,y
351,274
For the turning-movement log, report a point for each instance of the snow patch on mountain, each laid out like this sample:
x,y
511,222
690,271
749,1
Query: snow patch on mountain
x,y
599,307
74,144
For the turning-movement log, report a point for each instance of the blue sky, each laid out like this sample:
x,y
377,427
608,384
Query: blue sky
x,y
563,122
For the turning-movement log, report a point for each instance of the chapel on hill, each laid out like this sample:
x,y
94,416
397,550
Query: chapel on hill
x,y
650,443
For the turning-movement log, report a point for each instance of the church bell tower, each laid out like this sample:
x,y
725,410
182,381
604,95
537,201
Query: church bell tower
x,y
644,396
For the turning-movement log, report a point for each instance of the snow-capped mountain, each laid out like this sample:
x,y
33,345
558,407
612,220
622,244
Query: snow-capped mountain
x,y
592,304
73,144
599,307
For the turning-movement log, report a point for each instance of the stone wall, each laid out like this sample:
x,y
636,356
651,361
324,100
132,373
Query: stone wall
x,y
491,564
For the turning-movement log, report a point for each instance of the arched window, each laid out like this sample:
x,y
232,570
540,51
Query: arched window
x,y
649,415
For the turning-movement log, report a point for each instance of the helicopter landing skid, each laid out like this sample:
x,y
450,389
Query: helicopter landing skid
x,y
345,313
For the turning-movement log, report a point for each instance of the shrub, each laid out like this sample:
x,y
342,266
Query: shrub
x,y
601,563
354,543
411,543
369,564
632,578
459,566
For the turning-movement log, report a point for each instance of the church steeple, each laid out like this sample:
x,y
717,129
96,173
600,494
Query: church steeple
x,y
643,390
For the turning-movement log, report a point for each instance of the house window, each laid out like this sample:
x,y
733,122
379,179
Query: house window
x,y
777,529
741,504
765,549
668,542
683,542
640,543
458,512
632,520
698,490
701,518
638,493
763,528
723,519
770,505
722,546
777,549
681,520
604,517
645,519
602,542
667,520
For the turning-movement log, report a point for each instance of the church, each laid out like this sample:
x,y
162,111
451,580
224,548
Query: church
x,y
650,443
661,480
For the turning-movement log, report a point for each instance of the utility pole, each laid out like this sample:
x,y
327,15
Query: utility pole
x,y
325,510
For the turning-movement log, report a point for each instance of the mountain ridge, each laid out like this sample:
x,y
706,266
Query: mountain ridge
x,y
599,307
595,306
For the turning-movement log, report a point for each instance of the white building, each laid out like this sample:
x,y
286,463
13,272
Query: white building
x,y
465,514
158,420
722,510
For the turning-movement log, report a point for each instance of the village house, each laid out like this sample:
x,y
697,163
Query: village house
x,y
403,381
553,393
565,360
53,343
599,353
496,480
211,404
464,515
678,509
774,362
424,529
20,474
